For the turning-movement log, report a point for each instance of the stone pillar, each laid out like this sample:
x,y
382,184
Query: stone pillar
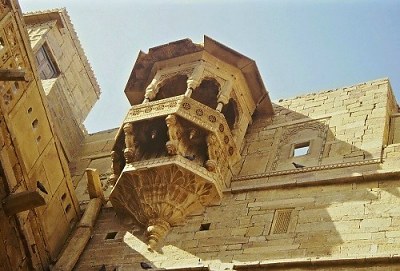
x,y
211,164
151,90
115,167
175,131
195,79
223,96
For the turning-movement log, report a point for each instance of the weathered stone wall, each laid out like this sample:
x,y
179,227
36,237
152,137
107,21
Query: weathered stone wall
x,y
95,153
29,152
344,125
342,205
354,220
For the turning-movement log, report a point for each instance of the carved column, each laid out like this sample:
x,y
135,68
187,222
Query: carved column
x,y
115,167
129,151
211,163
175,131
223,96
195,79
151,90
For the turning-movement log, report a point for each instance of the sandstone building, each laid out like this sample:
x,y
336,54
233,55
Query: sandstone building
x,y
206,173
44,103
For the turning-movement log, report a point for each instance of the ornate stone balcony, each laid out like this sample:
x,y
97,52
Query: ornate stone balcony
x,y
172,157
191,106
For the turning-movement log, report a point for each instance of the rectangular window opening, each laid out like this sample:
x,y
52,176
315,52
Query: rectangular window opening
x,y
111,235
301,149
205,227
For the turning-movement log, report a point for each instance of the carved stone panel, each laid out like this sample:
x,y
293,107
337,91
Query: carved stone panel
x,y
309,133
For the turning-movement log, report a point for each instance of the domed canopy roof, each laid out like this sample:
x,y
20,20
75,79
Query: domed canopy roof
x,y
141,74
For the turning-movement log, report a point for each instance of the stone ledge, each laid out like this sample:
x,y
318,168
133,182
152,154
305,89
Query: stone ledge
x,y
319,262
356,177
306,169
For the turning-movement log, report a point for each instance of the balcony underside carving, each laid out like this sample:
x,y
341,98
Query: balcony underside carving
x,y
162,194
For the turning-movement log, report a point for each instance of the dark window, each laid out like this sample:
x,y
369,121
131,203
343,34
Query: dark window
x,y
46,66
205,227
111,235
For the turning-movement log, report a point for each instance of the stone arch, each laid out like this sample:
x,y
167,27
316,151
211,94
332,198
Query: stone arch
x,y
230,111
173,86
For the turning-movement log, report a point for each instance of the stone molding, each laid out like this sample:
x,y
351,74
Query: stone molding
x,y
319,262
355,178
307,169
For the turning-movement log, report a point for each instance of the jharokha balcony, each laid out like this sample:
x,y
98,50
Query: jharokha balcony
x,y
172,158
175,151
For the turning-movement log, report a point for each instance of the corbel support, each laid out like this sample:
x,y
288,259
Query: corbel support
x,y
22,201
13,75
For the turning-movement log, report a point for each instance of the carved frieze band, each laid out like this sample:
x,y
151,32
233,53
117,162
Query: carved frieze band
x,y
179,160
192,111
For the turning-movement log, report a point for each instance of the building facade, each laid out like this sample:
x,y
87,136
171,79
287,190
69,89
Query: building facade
x,y
316,185
206,173
67,78
39,207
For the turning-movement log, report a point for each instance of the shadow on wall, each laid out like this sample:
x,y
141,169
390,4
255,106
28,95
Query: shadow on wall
x,y
297,216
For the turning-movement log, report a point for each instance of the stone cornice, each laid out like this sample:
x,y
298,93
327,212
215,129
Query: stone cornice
x,y
307,169
319,262
293,182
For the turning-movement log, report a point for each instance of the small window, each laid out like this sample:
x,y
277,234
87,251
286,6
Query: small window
x,y
205,227
111,235
301,149
46,65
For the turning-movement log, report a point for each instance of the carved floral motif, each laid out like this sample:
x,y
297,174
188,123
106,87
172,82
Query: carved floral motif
x,y
161,197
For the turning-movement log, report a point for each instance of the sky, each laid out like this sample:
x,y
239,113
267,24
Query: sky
x,y
300,46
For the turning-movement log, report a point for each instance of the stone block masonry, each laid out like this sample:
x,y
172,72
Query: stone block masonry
x,y
338,211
